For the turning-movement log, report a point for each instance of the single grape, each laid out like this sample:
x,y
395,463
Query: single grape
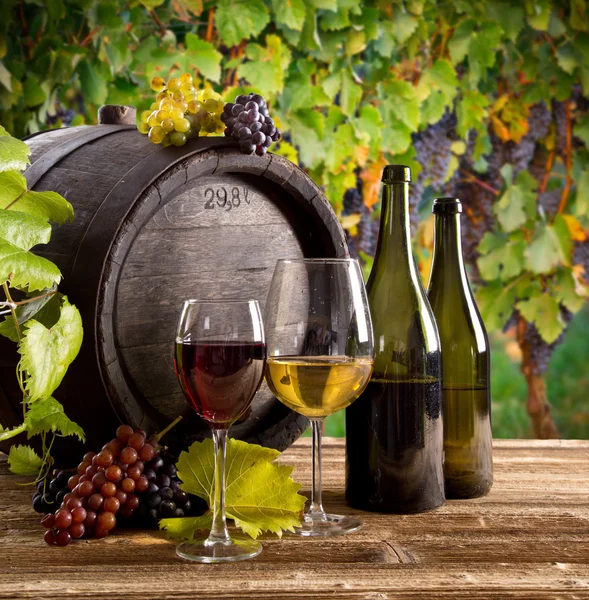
x,y
79,515
63,518
105,458
186,78
83,466
137,440
128,485
85,489
241,99
90,519
62,537
111,505
153,106
181,125
106,521
258,100
260,150
141,484
167,509
154,500
180,497
156,135
68,496
48,521
99,480
244,133
158,84
49,537
77,530
246,147
128,455
194,107
115,446
161,96
258,138
166,493
133,472
95,502
178,138
208,93
73,503
73,481
114,473
143,128
174,84
121,496
108,489
166,104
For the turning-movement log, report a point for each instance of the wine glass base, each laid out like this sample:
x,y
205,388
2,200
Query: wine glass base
x,y
327,525
219,552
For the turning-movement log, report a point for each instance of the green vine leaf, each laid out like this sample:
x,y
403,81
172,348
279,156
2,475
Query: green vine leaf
x,y
550,247
543,310
47,353
47,415
267,65
48,206
23,460
237,20
25,270
23,230
290,13
260,495
495,301
14,154
502,257
517,202
205,57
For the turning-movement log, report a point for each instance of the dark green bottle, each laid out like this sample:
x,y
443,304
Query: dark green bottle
x,y
468,464
394,433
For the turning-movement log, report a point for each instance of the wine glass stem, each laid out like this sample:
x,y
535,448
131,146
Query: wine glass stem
x,y
219,533
316,509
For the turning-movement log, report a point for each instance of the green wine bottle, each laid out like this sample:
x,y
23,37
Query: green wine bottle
x,y
468,465
394,432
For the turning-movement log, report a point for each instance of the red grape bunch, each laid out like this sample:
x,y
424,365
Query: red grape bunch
x,y
106,485
248,121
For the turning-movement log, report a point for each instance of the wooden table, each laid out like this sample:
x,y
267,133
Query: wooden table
x,y
529,538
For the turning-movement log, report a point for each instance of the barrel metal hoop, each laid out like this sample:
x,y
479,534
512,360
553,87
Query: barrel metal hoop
x,y
59,152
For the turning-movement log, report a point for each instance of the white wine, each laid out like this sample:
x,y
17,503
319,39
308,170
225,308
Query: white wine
x,y
317,386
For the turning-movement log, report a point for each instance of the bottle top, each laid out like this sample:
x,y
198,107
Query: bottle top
x,y
396,174
447,206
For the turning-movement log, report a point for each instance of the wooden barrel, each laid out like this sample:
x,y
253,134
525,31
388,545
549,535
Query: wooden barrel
x,y
154,226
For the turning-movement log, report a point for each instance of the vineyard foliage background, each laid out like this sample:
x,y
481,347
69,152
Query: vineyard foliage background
x,y
484,100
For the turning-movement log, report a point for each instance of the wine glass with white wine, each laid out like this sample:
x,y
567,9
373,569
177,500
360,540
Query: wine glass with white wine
x,y
320,355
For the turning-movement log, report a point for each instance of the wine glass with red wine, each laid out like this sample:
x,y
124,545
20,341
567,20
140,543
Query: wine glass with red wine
x,y
219,359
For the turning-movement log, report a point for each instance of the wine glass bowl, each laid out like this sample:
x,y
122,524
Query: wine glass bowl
x,y
320,354
219,360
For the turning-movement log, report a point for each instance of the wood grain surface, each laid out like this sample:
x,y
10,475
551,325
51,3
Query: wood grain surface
x,y
529,538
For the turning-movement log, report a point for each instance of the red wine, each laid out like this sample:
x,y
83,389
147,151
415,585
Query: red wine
x,y
220,379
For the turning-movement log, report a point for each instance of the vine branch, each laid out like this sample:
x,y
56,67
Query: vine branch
x,y
12,309
547,170
210,24
480,183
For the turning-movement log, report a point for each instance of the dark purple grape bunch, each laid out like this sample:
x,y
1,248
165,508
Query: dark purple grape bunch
x,y
248,121
50,492
164,498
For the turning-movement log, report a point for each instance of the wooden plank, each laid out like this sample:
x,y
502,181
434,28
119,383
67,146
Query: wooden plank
x,y
528,539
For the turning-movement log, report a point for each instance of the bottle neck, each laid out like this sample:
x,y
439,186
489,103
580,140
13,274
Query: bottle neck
x,y
394,240
447,257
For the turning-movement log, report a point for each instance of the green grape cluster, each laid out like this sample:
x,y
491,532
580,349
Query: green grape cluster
x,y
181,112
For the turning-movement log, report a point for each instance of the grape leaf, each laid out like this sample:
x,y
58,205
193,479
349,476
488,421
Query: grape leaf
x,y
47,353
260,495
14,154
26,270
45,310
471,112
23,230
204,57
543,310
48,415
400,100
290,13
442,76
23,460
267,65
351,93
550,247
404,25
93,78
501,257
184,528
49,206
460,41
568,290
581,129
495,301
582,199
240,19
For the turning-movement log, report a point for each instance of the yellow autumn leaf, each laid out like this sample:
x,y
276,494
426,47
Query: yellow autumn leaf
x,y
349,221
576,230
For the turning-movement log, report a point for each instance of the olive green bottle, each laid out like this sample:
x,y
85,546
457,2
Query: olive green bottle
x,y
468,464
394,433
